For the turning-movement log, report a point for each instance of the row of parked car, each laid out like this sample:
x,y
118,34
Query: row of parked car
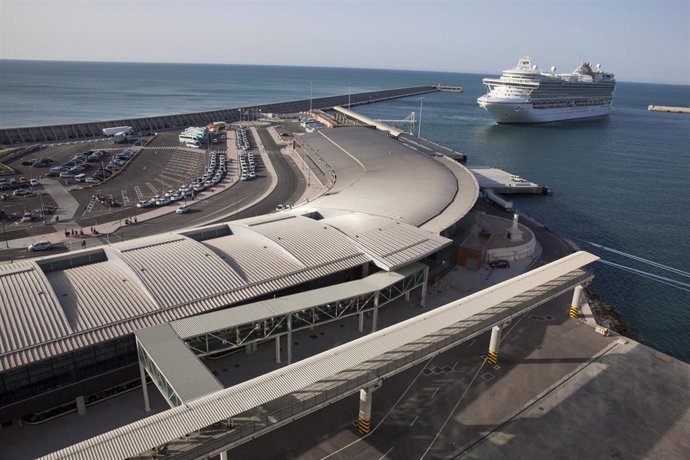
x,y
215,172
241,139
76,167
247,165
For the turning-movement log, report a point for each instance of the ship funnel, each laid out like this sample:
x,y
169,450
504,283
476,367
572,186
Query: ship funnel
x,y
598,67
553,69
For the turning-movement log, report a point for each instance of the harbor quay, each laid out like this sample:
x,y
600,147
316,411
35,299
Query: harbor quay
x,y
421,322
77,131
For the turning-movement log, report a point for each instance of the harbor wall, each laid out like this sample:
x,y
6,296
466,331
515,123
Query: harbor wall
x,y
74,131
666,108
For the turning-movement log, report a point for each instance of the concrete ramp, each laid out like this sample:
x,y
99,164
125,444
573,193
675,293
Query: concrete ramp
x,y
67,205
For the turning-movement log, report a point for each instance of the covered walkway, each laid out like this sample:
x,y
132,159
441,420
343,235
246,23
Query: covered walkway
x,y
205,426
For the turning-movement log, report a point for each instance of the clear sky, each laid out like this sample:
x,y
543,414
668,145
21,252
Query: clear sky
x,y
645,41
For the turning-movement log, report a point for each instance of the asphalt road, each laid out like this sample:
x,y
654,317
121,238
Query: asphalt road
x,y
290,187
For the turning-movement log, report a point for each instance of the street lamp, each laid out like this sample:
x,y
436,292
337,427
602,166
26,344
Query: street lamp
x,y
311,96
349,92
419,128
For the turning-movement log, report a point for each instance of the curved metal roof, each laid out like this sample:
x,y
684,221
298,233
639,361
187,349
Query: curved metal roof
x,y
60,303
397,182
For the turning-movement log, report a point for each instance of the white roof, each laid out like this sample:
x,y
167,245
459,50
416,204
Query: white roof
x,y
138,437
248,313
188,377
371,217
398,182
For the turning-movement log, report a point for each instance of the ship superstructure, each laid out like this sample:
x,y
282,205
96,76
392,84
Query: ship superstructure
x,y
525,94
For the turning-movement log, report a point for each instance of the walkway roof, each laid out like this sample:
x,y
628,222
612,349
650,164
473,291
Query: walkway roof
x,y
138,437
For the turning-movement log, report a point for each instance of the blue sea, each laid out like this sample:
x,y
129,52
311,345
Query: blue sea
x,y
620,181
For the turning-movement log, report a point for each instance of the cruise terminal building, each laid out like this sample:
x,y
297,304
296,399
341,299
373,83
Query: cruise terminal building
x,y
379,230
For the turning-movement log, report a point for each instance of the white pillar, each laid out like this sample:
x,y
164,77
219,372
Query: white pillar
x,y
248,348
494,343
361,321
574,311
289,340
375,320
277,349
255,346
407,296
425,282
364,421
81,405
142,373
224,455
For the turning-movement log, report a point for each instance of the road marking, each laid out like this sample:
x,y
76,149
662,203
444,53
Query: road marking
x,y
89,206
411,424
387,452
165,184
153,189
137,190
125,198
454,365
434,394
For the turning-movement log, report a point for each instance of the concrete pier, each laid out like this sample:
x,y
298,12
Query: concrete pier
x,y
503,182
666,108
38,134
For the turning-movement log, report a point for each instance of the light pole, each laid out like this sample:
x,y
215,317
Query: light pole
x,y
311,95
419,128
349,92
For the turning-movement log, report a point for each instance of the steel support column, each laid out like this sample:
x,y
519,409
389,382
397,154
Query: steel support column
x,y
142,373
289,339
277,341
375,319
425,282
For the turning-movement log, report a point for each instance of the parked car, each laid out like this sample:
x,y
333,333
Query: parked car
x,y
501,263
42,245
21,192
34,183
92,180
29,162
27,217
183,209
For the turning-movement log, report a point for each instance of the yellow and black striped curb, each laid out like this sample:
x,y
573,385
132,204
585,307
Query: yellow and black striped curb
x,y
574,312
492,357
364,426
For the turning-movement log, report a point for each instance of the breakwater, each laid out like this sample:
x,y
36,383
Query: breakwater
x,y
666,108
38,134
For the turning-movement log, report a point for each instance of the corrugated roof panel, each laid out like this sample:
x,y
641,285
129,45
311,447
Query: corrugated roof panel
x,y
24,284
398,182
181,270
91,304
252,259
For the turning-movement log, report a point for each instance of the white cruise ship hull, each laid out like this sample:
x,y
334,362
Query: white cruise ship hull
x,y
504,112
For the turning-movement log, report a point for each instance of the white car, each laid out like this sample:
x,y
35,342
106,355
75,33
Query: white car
x,y
143,204
27,217
34,182
42,245
183,209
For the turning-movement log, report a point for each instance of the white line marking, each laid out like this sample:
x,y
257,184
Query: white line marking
x,y
436,391
415,419
387,452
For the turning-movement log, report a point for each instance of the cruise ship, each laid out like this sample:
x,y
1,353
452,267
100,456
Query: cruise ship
x,y
525,94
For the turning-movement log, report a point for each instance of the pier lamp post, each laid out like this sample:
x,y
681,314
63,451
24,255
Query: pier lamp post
x,y
419,128
349,92
311,95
